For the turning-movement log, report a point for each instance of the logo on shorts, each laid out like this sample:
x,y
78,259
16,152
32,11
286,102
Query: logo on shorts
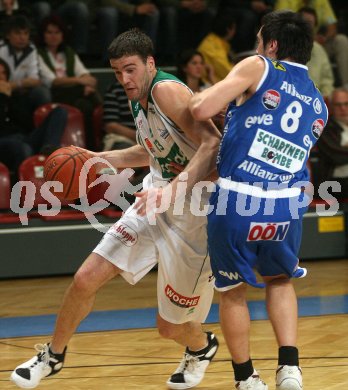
x,y
268,231
180,300
230,275
271,99
125,234
317,128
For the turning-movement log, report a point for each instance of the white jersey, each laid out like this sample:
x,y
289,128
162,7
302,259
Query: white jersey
x,y
178,240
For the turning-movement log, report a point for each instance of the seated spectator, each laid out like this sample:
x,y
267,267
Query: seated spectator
x,y
333,144
28,93
192,68
335,44
74,13
15,143
62,70
117,119
319,66
216,47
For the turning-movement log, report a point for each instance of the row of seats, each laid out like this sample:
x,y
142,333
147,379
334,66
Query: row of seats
x,y
26,201
74,133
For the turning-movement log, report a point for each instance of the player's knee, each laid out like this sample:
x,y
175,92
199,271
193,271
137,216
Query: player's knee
x,y
166,329
82,281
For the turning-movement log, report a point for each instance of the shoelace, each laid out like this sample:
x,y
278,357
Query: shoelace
x,y
188,363
43,356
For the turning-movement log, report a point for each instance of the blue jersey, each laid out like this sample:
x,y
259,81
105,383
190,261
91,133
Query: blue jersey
x,y
268,138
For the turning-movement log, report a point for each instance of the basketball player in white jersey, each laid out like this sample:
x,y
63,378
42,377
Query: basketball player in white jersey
x,y
167,135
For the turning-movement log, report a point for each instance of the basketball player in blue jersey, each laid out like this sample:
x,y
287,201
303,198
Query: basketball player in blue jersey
x,y
167,135
275,115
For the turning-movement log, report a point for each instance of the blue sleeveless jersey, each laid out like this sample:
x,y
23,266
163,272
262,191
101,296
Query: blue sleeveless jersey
x,y
268,138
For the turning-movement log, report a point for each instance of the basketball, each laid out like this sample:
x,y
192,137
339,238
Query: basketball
x,y
65,165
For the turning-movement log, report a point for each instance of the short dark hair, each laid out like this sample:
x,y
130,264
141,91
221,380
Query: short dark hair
x,y
292,32
6,67
130,43
17,22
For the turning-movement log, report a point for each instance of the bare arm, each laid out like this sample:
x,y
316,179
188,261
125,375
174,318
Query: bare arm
x,y
202,133
241,81
133,157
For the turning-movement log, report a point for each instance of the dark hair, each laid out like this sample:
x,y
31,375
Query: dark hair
x,y
311,11
130,43
6,67
17,22
222,21
293,34
183,59
53,20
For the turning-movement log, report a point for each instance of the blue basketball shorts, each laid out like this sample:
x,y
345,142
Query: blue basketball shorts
x,y
247,233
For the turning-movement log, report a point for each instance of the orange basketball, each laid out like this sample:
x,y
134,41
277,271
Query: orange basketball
x,y
65,165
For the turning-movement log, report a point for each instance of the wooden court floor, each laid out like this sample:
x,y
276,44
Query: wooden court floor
x,y
140,359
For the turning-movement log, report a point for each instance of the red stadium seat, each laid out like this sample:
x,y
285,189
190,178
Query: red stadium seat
x,y
5,192
98,127
74,133
31,170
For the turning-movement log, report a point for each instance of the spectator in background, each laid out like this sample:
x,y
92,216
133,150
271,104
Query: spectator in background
x,y
192,68
248,14
319,66
216,47
335,44
28,93
16,143
74,13
333,144
62,71
118,120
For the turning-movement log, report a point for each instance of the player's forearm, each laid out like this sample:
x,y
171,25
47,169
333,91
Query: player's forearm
x,y
119,129
202,167
132,157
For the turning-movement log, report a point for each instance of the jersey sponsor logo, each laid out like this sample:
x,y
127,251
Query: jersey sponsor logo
x,y
277,151
180,300
257,170
149,145
264,119
291,90
268,231
124,233
164,133
271,99
230,275
317,128
277,65
318,108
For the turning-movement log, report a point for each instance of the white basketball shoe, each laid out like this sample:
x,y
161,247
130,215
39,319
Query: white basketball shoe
x,y
254,382
289,378
29,374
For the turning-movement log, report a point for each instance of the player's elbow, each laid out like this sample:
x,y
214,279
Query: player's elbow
x,y
197,109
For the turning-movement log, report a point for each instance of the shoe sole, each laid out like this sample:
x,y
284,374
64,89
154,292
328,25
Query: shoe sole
x,y
289,385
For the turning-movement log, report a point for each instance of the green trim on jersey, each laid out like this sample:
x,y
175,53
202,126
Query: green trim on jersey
x,y
163,140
